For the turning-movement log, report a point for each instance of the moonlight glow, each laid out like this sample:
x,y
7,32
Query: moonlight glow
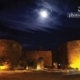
x,y
43,14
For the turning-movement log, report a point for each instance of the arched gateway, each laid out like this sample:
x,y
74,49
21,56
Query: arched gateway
x,y
40,63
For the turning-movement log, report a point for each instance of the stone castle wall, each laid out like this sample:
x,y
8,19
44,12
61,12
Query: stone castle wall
x,y
10,50
73,50
47,55
70,53
35,55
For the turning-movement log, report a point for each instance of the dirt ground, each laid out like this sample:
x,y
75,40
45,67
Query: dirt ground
x,y
38,76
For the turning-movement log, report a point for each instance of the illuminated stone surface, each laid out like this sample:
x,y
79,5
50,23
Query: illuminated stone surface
x,y
70,54
40,63
73,50
10,50
47,56
35,55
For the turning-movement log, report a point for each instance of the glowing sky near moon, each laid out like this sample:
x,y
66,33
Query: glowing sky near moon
x,y
36,23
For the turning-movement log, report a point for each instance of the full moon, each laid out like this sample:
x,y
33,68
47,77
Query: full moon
x,y
43,14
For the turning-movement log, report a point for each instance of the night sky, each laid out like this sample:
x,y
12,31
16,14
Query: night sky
x,y
20,20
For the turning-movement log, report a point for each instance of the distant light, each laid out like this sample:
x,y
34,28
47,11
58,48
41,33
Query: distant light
x,y
4,67
38,67
43,14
